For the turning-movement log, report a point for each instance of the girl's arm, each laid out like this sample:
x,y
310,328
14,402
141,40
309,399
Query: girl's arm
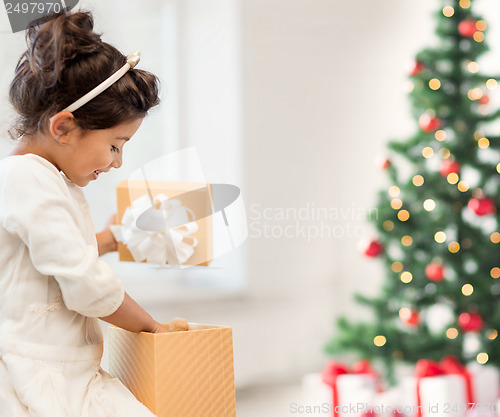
x,y
132,317
105,240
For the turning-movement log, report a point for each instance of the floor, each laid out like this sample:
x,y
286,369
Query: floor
x,y
270,401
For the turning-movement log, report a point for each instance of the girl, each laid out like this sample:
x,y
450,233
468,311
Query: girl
x,y
53,287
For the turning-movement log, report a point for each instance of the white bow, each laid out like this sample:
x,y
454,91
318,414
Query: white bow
x,y
173,245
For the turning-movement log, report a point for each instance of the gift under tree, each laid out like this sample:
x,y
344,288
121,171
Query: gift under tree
x,y
437,220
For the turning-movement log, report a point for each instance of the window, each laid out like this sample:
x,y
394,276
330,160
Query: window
x,y
194,48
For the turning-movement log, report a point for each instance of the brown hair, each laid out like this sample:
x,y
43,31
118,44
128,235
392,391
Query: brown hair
x,y
65,59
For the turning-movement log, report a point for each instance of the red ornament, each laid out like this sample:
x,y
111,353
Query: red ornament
x,y
383,163
467,28
484,100
449,166
434,272
410,317
482,206
418,67
429,123
371,248
470,322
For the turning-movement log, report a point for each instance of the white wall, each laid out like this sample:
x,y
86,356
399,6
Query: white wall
x,y
322,92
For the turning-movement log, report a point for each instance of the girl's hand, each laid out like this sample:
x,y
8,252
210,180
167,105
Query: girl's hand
x,y
159,328
105,240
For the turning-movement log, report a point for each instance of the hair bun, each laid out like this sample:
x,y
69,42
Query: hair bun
x,y
53,43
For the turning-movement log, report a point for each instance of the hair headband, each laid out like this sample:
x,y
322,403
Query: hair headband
x,y
132,60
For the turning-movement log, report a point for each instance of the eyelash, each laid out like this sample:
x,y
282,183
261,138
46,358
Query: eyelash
x,y
115,149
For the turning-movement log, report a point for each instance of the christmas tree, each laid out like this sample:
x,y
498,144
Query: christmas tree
x,y
438,233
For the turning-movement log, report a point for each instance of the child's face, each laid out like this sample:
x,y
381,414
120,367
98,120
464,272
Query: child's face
x,y
96,151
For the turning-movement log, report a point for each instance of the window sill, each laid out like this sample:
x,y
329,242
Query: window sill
x,y
153,286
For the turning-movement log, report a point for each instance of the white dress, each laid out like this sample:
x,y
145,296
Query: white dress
x,y
52,289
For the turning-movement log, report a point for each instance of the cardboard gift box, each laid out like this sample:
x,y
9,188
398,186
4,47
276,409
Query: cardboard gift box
x,y
177,374
194,197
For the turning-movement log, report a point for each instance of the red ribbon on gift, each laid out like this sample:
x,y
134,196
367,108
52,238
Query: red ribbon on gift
x,y
449,365
452,366
334,369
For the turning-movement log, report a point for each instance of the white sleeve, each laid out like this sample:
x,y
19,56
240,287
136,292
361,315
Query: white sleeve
x,y
36,205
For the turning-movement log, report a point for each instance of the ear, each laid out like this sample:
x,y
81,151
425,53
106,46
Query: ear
x,y
60,125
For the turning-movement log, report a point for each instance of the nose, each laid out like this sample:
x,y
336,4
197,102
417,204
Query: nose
x,y
117,161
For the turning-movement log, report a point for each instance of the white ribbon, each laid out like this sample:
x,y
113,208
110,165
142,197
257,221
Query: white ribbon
x,y
173,245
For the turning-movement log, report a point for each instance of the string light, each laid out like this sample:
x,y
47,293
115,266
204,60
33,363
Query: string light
x,y
464,4
498,167
427,152
394,191
473,67
495,272
403,215
478,36
454,247
460,125
404,313
406,277
396,203
406,240
440,135
495,237
448,11
409,86
379,340
388,226
440,237
397,267
463,186
397,355
434,84
418,180
451,333
466,243
478,134
444,153
481,25
429,204
492,334
482,358
452,178
483,143
491,84
475,93
467,290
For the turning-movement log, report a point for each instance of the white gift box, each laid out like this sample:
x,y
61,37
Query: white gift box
x,y
441,396
355,395
485,383
317,397
385,403
485,388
